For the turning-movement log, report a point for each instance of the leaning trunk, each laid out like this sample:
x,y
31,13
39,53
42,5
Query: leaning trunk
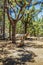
x,y
14,33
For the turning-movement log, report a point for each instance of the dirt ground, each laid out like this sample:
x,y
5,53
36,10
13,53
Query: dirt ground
x,y
30,54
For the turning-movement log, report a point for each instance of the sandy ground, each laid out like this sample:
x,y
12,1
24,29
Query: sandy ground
x,y
30,54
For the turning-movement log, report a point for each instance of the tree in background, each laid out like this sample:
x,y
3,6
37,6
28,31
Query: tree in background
x,y
18,8
29,19
2,17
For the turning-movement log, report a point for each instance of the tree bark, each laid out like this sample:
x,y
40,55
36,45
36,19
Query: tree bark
x,y
9,30
14,33
25,27
4,20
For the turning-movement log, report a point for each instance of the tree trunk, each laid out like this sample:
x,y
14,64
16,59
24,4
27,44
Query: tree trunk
x,y
25,27
14,33
4,21
10,31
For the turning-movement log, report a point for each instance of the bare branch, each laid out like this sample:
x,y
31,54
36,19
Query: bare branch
x,y
11,6
22,8
21,16
9,17
24,3
17,3
11,20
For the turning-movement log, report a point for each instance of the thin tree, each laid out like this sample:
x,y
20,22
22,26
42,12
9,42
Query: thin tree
x,y
18,17
18,14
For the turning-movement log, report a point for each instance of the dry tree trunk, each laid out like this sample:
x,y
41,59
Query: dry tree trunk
x,y
14,33
10,30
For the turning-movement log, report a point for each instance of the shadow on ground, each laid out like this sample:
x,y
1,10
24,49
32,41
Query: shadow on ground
x,y
24,56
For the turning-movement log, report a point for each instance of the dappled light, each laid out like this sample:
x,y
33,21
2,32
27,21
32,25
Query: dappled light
x,y
21,32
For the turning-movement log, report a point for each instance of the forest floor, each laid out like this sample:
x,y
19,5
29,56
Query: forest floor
x,y
30,54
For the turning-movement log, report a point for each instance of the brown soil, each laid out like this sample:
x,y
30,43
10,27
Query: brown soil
x,y
30,54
